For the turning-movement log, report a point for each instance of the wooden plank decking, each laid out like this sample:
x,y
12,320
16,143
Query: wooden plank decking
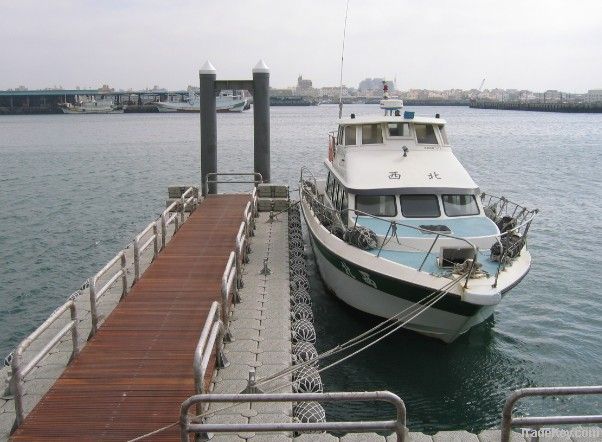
x,y
133,375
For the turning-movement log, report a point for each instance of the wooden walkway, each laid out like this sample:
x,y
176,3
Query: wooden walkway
x,y
133,375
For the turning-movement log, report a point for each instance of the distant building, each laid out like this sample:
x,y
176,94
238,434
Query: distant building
x,y
594,95
303,85
105,89
552,95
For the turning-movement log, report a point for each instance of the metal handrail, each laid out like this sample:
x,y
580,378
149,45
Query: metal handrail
x,y
167,219
254,201
19,371
205,346
258,179
95,295
139,249
398,425
229,277
508,422
241,250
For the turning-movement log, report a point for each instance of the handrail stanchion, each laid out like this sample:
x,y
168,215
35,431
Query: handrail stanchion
x,y
136,260
428,253
124,277
182,208
155,240
93,308
163,230
74,332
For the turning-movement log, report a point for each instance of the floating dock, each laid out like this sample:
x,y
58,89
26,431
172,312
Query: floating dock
x,y
211,314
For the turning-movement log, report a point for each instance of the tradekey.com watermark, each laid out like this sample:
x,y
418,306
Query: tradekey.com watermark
x,y
585,433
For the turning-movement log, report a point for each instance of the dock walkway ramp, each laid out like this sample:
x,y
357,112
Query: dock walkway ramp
x,y
135,372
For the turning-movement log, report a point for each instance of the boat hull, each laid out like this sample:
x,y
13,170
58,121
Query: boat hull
x,y
433,322
91,111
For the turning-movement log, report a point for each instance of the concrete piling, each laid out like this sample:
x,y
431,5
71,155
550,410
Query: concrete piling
x,y
207,75
261,119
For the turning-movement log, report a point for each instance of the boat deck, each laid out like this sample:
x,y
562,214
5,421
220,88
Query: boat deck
x,y
133,375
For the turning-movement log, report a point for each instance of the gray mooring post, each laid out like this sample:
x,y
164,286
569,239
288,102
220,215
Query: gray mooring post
x,y
208,125
261,119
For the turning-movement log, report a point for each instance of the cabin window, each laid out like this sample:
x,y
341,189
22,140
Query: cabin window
x,y
350,136
460,205
420,206
425,134
398,129
378,205
340,135
372,134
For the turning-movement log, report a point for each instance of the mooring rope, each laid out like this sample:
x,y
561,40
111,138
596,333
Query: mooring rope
x,y
391,322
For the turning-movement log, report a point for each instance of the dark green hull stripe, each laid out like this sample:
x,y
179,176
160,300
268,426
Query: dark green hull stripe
x,y
401,289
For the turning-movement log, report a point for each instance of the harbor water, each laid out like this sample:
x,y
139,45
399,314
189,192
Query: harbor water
x,y
76,189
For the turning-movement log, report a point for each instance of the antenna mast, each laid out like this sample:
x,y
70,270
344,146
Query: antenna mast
x,y
342,55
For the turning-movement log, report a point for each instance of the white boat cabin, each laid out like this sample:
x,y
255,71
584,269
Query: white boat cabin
x,y
403,169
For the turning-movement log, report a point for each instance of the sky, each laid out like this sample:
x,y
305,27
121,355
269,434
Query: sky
x,y
429,44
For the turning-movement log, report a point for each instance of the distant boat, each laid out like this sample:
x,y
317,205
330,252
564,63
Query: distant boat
x,y
91,106
293,100
224,102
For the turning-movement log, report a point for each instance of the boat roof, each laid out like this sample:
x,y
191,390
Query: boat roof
x,y
371,119
379,171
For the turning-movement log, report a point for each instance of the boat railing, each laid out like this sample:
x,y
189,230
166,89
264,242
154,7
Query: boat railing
x,y
335,214
189,424
213,178
509,421
20,369
513,220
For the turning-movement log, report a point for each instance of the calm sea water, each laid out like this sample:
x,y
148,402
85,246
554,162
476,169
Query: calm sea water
x,y
76,189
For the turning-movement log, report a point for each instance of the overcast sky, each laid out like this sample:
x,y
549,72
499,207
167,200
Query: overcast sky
x,y
528,44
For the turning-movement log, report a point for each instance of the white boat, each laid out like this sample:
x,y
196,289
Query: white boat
x,y
224,102
86,105
398,224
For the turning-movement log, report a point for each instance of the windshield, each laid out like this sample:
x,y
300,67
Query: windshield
x,y
378,205
460,205
420,206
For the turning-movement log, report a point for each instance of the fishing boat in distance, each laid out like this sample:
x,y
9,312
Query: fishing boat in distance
x,y
400,230
226,101
91,105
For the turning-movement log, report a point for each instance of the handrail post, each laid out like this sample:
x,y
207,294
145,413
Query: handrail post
x,y
17,388
136,260
163,231
429,252
155,240
74,331
182,208
93,308
124,277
